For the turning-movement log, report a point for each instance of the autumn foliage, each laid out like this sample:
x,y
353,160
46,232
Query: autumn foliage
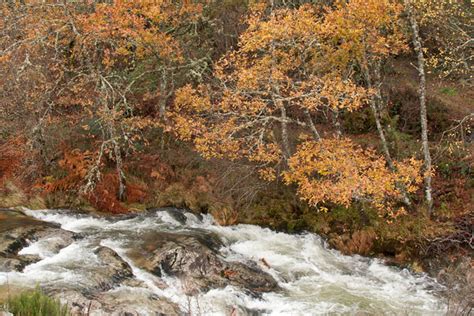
x,y
339,172
88,85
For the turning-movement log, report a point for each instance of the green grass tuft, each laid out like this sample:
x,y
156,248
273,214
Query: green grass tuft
x,y
449,91
35,303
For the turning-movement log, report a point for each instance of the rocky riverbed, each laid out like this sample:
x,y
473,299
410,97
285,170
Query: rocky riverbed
x,y
169,261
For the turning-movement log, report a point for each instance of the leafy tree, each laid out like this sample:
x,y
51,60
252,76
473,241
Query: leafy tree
x,y
291,65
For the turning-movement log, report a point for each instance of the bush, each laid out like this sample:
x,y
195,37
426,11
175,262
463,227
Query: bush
x,y
35,303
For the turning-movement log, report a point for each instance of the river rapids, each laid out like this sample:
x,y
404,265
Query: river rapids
x,y
312,279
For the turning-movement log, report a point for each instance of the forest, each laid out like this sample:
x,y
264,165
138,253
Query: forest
x,y
349,119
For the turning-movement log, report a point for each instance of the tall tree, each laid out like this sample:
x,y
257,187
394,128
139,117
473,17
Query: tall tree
x,y
364,34
423,112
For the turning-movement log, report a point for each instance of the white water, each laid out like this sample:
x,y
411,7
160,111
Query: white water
x,y
314,279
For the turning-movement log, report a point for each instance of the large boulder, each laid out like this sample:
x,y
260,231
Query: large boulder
x,y
194,258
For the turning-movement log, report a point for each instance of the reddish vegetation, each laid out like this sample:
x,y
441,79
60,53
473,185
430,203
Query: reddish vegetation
x,y
104,196
11,158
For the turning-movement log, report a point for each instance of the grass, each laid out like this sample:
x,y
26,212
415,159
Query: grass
x,y
449,91
35,303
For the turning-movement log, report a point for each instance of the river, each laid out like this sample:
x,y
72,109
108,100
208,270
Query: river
x,y
314,279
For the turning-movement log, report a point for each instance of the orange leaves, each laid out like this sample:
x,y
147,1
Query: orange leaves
x,y
132,29
275,75
12,153
333,92
339,171
299,26
76,164
104,197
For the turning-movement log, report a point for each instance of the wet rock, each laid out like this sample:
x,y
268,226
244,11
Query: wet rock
x,y
11,264
114,270
194,258
176,214
78,304
124,301
17,263
17,231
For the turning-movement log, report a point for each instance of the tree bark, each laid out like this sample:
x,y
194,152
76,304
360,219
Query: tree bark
x,y
423,111
374,100
316,135
376,112
279,103
284,133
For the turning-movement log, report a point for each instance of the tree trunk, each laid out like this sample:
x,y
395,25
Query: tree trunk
x,y
118,165
284,133
120,174
316,135
275,93
163,95
337,124
376,112
423,112
374,100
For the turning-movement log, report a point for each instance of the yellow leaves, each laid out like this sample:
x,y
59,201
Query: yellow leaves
x,y
334,92
190,99
359,27
339,171
268,174
446,25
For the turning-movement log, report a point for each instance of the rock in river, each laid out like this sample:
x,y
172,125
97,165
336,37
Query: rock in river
x,y
194,258
18,230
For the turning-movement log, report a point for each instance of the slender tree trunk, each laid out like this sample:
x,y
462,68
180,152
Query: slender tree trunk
x,y
284,132
278,103
163,95
337,124
423,112
377,116
121,175
374,100
118,165
316,135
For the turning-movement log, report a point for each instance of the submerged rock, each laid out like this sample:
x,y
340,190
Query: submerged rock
x,y
194,258
176,214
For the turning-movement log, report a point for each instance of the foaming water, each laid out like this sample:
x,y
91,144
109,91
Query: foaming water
x,y
314,279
